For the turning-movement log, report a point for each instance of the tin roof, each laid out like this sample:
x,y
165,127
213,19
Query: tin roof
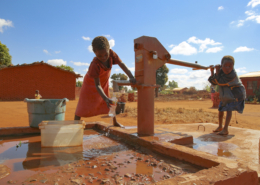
x,y
251,74
3,67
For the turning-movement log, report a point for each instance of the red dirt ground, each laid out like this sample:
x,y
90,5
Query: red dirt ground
x,y
14,114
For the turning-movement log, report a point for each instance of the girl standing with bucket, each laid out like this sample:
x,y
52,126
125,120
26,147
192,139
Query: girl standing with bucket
x,y
94,95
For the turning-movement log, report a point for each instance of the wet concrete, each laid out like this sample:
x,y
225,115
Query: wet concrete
x,y
99,160
241,145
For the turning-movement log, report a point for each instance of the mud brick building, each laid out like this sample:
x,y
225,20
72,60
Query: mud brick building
x,y
251,81
21,81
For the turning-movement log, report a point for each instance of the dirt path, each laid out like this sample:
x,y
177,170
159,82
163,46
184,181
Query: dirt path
x,y
14,114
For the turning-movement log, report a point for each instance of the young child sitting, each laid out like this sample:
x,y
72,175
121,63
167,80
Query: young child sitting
x,y
37,95
231,91
94,95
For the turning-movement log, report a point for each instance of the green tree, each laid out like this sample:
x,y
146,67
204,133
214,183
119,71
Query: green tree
x,y
173,84
207,87
5,57
161,77
119,76
65,67
79,84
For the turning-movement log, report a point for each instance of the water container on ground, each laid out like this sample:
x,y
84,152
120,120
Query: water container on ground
x,y
45,109
62,133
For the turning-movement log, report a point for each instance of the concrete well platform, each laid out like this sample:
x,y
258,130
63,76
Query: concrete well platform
x,y
228,160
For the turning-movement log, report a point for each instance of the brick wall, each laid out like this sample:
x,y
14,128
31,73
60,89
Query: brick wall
x,y
21,82
249,92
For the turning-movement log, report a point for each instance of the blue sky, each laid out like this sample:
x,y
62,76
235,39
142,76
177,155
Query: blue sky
x,y
61,31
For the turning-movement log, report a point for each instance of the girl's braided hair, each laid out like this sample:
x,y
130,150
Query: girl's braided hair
x,y
100,43
228,57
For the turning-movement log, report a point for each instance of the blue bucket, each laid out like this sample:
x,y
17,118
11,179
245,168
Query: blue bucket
x,y
45,109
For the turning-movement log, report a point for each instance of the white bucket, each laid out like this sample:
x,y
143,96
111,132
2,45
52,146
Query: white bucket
x,y
61,133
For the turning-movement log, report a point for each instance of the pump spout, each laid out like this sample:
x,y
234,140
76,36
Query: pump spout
x,y
117,83
186,64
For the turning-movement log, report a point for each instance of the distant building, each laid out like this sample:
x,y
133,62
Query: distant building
x,y
21,81
250,81
180,90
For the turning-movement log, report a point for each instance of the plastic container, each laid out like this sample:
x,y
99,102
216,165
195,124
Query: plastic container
x,y
61,133
45,109
112,109
120,107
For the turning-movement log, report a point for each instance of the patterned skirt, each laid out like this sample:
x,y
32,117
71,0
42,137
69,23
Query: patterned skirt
x,y
233,106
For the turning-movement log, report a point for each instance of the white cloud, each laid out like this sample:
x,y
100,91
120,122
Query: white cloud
x,y
117,69
57,52
250,16
85,69
57,62
132,69
243,49
171,46
45,51
90,48
183,49
214,50
80,63
220,8
203,43
85,38
241,70
196,78
240,23
111,43
5,23
253,3
178,71
107,36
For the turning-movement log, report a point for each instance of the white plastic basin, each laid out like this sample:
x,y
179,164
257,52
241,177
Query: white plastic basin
x,y
61,133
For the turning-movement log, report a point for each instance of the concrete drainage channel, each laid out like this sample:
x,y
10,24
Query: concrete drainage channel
x,y
206,168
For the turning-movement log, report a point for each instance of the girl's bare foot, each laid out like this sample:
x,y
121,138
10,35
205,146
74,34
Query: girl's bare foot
x,y
118,125
223,133
218,129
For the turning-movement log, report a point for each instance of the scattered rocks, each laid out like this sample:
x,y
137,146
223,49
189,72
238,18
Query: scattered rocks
x,y
104,181
11,182
43,181
77,181
95,166
128,175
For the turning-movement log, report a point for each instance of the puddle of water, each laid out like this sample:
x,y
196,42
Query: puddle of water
x,y
216,148
97,159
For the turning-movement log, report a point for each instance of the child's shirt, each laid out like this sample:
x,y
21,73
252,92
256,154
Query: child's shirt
x,y
230,81
96,65
38,96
